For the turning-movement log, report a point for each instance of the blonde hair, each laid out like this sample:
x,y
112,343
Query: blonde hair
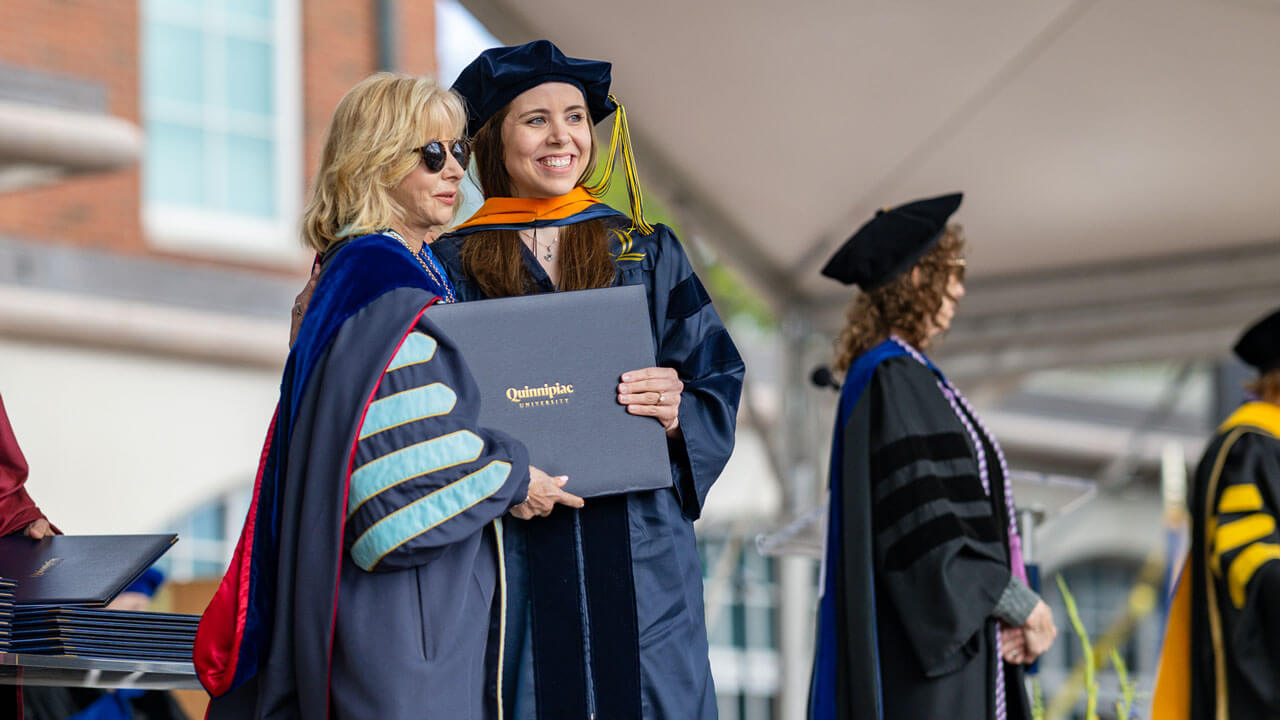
x,y
371,143
902,303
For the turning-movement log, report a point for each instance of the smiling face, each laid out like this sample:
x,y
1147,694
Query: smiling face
x,y
428,199
546,140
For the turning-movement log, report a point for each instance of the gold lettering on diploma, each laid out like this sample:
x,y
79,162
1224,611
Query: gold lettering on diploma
x,y
543,395
46,567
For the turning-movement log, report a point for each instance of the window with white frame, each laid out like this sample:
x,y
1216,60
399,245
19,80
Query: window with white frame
x,y
742,625
221,106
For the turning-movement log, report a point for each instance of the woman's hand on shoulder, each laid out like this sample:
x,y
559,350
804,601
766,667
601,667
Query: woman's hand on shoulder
x,y
655,392
301,302
545,492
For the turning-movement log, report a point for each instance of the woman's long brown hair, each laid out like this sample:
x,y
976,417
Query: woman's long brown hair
x,y
494,257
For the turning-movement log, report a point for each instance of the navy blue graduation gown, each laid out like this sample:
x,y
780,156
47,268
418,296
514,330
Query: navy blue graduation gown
x,y
636,645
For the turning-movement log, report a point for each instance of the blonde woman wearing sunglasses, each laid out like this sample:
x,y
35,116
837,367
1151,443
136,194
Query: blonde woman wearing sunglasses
x,y
363,580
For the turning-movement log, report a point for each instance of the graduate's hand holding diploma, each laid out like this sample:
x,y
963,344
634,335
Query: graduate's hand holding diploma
x,y
545,492
653,391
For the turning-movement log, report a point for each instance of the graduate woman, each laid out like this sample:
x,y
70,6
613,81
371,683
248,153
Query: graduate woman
x,y
925,611
362,583
606,614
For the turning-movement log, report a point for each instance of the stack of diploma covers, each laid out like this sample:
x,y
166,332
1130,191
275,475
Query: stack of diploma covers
x,y
6,612
548,368
63,584
102,633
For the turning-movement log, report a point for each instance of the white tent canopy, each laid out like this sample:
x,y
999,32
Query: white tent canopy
x,y
1120,160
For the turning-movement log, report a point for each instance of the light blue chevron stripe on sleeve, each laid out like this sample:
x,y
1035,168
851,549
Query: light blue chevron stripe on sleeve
x,y
406,407
425,513
425,457
416,348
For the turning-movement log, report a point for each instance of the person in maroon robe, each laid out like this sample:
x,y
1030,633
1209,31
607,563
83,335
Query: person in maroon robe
x,y
18,512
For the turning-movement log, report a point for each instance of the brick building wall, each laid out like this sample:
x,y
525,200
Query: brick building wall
x,y
94,41
98,42
341,48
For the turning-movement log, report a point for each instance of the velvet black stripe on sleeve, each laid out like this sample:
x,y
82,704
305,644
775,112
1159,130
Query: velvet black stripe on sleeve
x,y
687,298
925,489
895,455
936,532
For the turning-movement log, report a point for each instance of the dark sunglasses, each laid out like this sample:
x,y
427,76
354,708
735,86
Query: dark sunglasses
x,y
434,154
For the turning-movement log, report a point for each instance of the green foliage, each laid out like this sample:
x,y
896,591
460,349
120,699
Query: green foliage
x,y
1037,699
616,196
1128,687
1086,647
734,299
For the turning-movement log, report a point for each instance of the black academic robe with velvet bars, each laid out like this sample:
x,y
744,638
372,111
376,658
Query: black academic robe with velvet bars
x,y
1235,570
918,560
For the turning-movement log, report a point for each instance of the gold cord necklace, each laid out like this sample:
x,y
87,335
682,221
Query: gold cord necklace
x,y
427,267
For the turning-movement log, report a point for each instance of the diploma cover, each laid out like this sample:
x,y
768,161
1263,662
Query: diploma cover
x,y
548,367
77,569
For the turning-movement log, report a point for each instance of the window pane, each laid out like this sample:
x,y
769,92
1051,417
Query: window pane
x,y
739,615
207,522
756,707
760,627
250,8
172,6
250,176
249,76
208,569
728,707
175,165
174,63
722,631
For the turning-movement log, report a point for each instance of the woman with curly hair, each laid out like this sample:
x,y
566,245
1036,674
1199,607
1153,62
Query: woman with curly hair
x,y
925,608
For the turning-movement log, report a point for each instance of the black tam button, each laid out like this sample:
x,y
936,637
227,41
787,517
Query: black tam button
x,y
892,242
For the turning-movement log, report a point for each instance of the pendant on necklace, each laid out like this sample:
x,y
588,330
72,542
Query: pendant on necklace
x,y
547,256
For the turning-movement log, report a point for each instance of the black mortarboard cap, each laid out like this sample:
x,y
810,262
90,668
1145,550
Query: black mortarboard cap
x,y
498,75
892,242
1259,346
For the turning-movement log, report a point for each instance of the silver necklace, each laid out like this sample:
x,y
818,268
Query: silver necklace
x,y
548,250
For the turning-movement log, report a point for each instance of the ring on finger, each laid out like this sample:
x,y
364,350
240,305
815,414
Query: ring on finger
x,y
661,396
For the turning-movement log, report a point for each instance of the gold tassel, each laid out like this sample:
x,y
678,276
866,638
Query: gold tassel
x,y
620,138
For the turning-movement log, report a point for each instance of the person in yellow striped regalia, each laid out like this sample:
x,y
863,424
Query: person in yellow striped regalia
x,y
1221,658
